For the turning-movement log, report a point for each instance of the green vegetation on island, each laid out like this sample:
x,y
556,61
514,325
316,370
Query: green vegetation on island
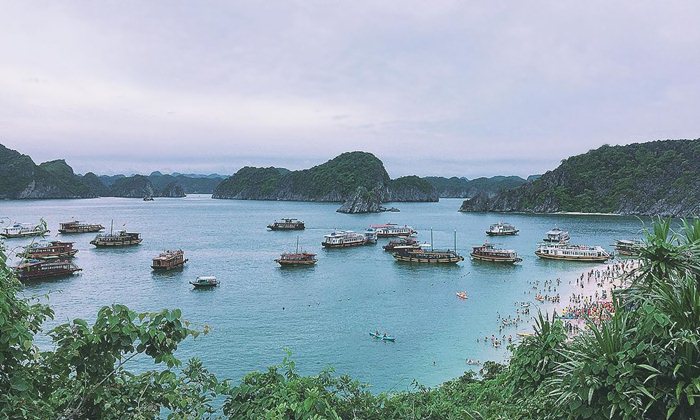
x,y
641,362
333,181
654,178
465,188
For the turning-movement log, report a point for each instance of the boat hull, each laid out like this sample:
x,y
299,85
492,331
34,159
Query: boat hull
x,y
284,263
22,235
344,245
81,230
381,337
572,258
115,244
48,274
505,260
203,286
515,232
428,260
174,266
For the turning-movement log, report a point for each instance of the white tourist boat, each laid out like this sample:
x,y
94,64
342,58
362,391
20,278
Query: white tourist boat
x,y
22,230
557,235
562,251
348,238
502,229
391,230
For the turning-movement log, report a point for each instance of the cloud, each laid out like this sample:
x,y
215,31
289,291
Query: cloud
x,y
446,87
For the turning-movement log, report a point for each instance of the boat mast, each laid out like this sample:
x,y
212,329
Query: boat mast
x,y
455,241
431,239
297,245
111,229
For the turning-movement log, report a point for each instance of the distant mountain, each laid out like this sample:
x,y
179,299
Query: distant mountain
x,y
333,181
203,184
21,178
465,188
654,178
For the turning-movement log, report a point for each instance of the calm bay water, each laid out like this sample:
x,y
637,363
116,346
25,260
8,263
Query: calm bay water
x,y
322,314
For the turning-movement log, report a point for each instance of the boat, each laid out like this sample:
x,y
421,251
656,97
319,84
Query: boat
x,y
203,282
148,198
169,260
48,250
563,251
382,337
487,252
78,227
118,239
22,230
462,295
502,229
557,235
287,224
406,241
420,255
348,238
289,259
392,230
41,269
628,247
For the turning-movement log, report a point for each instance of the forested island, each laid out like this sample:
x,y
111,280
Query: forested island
x,y
654,178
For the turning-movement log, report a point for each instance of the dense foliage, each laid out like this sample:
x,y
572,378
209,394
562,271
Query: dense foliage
x,y
641,363
654,178
336,180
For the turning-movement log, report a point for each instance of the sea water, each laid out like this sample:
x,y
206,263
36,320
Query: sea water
x,y
322,314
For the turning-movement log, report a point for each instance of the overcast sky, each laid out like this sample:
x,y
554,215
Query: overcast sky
x,y
430,87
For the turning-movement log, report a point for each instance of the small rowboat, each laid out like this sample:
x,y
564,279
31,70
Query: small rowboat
x,y
383,337
462,295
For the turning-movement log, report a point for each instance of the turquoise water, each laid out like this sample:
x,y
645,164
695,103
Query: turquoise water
x,y
322,314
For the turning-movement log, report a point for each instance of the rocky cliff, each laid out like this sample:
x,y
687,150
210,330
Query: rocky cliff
x,y
21,178
334,181
364,201
654,178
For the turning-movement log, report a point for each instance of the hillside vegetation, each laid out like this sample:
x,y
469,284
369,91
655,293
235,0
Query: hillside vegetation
x,y
654,178
333,181
465,188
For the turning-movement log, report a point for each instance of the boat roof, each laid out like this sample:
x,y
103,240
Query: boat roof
x,y
206,278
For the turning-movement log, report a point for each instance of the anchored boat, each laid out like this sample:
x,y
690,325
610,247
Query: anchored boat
x,y
348,238
287,224
297,258
557,235
118,239
420,255
23,230
38,269
205,282
382,337
392,230
403,242
48,250
487,252
568,252
628,247
502,229
79,227
169,260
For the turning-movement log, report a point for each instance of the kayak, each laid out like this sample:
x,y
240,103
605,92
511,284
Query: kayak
x,y
462,295
382,337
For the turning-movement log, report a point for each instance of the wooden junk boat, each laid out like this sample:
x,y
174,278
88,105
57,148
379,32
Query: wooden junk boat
x,y
502,229
392,230
348,238
169,260
296,259
205,282
41,269
402,242
22,230
120,238
557,235
568,252
487,252
48,250
628,247
78,227
419,255
287,224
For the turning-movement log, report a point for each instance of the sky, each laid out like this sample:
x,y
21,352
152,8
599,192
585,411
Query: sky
x,y
451,88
